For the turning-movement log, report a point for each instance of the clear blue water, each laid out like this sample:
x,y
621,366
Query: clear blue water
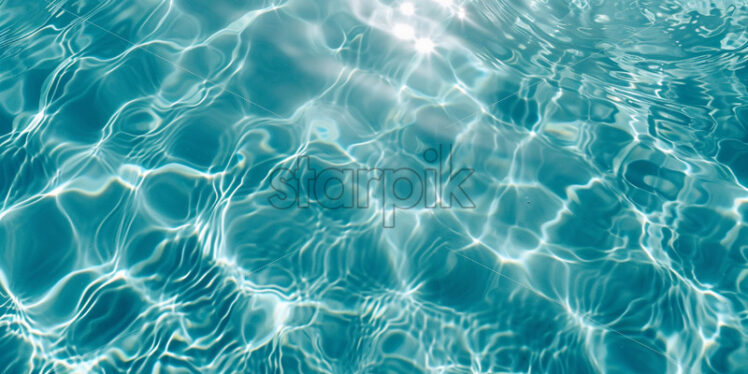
x,y
142,142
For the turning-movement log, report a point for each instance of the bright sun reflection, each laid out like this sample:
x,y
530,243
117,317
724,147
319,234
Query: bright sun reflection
x,y
424,45
407,9
405,32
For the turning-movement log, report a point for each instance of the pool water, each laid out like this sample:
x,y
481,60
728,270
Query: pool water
x,y
373,186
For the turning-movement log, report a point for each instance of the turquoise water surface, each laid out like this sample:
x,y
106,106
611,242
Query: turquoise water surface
x,y
373,186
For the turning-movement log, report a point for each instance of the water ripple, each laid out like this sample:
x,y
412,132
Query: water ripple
x,y
607,140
